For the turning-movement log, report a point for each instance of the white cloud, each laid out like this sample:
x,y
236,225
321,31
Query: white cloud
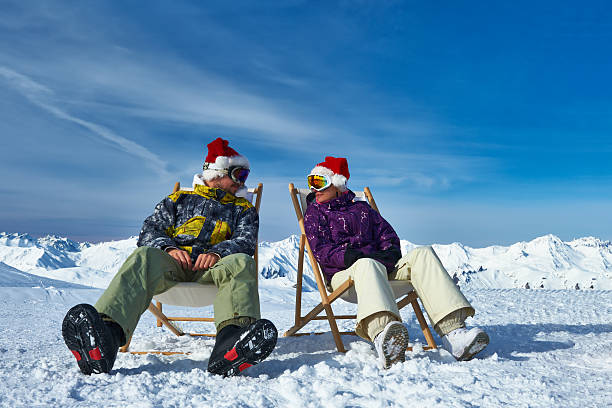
x,y
40,96
172,90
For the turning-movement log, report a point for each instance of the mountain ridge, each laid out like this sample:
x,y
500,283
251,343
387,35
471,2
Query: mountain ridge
x,y
544,262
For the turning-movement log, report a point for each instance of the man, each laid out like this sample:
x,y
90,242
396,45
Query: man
x,y
206,235
349,239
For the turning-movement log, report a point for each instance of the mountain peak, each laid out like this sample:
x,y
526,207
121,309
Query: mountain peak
x,y
17,240
590,242
59,243
547,238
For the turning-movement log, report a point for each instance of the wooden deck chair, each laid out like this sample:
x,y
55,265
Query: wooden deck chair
x,y
189,294
346,291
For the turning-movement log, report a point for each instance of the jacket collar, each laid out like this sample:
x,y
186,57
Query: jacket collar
x,y
342,201
214,193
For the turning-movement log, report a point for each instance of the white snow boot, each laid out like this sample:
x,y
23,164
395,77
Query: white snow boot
x,y
464,344
391,344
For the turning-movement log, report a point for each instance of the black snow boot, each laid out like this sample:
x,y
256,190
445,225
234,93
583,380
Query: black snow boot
x,y
93,342
237,348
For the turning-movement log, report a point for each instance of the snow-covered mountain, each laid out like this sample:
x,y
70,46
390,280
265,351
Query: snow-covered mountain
x,y
14,278
545,262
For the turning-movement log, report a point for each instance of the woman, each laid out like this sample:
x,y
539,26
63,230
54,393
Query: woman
x,y
349,239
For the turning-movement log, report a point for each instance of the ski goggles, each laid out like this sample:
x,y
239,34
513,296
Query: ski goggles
x,y
318,183
238,174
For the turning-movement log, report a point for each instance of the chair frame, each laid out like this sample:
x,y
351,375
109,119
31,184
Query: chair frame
x,y
327,299
157,308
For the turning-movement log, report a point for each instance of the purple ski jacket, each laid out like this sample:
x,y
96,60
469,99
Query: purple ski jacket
x,y
334,226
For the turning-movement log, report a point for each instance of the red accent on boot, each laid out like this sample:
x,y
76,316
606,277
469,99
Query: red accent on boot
x,y
76,354
244,365
231,355
95,354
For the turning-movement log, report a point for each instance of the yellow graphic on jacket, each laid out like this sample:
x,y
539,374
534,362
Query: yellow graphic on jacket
x,y
220,233
192,227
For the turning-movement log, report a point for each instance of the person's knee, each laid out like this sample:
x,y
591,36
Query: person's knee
x,y
426,250
368,263
242,264
142,251
244,259
148,255
145,252
368,267
142,259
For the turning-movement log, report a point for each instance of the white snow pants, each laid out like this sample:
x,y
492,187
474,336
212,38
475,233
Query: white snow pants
x,y
444,303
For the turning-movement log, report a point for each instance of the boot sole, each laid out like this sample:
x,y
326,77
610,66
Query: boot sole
x,y
476,346
84,341
254,346
394,345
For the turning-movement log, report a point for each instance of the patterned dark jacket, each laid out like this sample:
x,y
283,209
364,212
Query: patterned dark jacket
x,y
340,225
201,221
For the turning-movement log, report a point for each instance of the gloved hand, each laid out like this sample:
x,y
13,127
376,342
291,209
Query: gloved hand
x,y
388,256
351,255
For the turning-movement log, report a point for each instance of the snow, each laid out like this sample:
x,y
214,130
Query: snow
x,y
545,262
11,277
549,347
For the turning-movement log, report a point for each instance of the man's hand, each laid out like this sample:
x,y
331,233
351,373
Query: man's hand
x,y
205,261
182,257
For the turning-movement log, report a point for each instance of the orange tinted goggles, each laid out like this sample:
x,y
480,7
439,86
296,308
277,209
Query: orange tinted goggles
x,y
318,183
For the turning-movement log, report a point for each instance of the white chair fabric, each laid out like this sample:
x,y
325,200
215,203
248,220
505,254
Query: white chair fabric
x,y
189,294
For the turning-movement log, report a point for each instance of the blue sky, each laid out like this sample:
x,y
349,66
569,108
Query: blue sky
x,y
475,122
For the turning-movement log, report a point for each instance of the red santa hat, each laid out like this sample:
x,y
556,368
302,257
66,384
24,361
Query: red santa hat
x,y
336,168
220,158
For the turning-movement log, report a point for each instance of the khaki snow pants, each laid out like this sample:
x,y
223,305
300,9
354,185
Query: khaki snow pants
x,y
150,271
444,303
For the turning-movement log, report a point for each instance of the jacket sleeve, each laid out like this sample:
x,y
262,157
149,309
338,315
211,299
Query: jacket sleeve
x,y
244,237
388,250
385,234
154,229
328,253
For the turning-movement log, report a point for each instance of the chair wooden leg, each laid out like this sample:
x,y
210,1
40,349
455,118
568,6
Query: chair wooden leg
x,y
304,320
164,320
159,306
330,318
406,300
126,346
423,323
334,329
300,277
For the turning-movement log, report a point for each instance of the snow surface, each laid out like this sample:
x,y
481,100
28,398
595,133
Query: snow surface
x,y
549,347
11,277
